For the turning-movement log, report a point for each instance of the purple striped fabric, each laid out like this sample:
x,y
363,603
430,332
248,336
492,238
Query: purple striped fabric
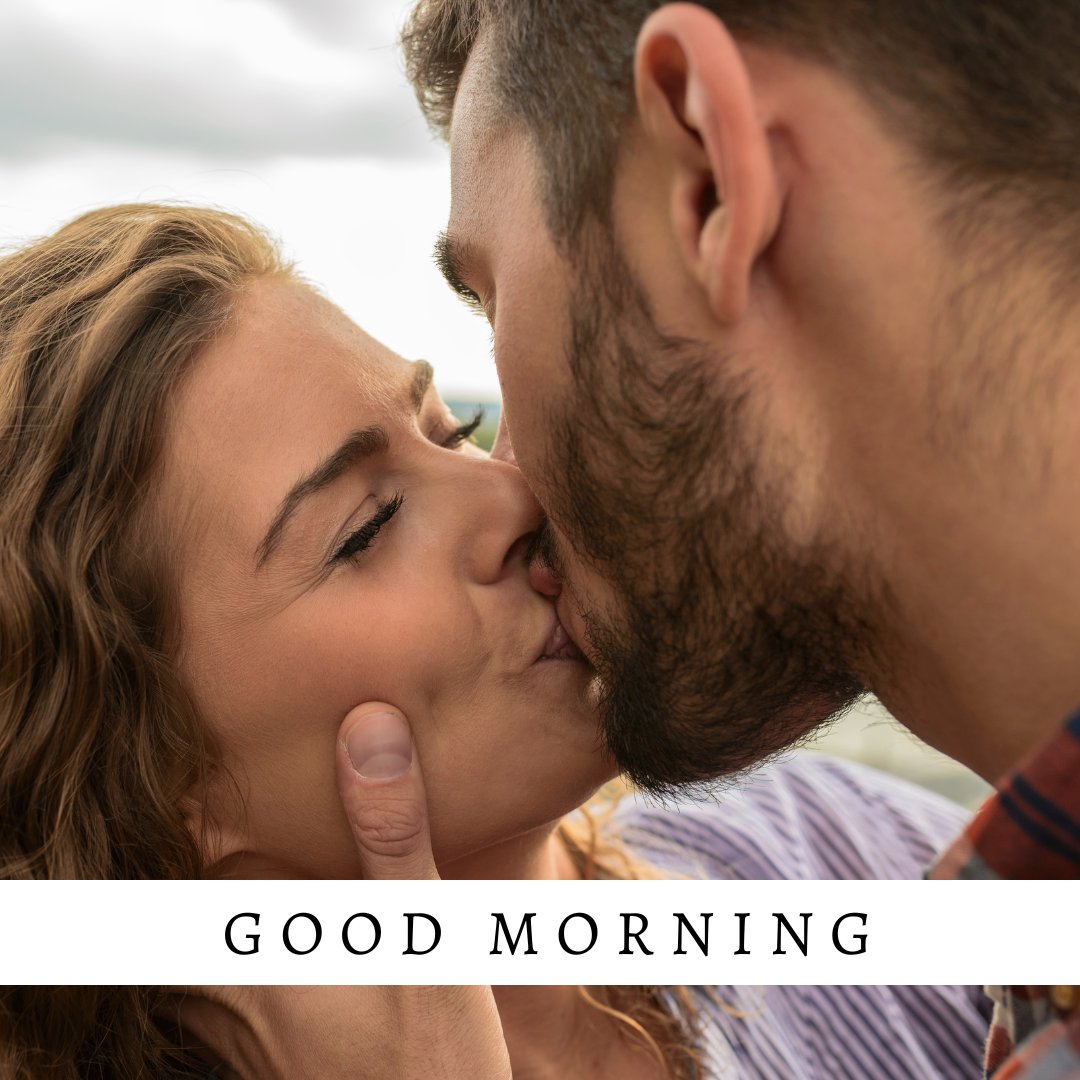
x,y
815,817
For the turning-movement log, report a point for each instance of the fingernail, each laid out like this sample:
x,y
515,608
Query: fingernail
x,y
380,746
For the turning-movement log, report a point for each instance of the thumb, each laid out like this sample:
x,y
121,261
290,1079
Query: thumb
x,y
382,793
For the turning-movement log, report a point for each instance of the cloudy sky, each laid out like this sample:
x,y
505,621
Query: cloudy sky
x,y
294,112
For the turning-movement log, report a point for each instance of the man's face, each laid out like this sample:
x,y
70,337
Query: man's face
x,y
684,518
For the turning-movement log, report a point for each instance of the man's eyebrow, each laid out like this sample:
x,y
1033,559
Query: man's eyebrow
x,y
358,446
453,258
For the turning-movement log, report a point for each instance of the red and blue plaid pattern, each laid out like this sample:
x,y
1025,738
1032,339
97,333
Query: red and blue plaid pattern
x,y
1029,829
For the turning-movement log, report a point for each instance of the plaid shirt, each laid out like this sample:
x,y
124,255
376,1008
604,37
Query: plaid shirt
x,y
1030,828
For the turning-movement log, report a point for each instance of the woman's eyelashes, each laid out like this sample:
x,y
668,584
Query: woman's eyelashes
x,y
465,432
358,541
362,538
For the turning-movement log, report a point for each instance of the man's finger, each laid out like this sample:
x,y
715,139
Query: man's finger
x,y
382,792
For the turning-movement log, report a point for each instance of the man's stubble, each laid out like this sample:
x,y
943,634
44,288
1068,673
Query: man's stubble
x,y
729,642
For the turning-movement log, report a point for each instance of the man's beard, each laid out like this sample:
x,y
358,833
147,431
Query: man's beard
x,y
729,641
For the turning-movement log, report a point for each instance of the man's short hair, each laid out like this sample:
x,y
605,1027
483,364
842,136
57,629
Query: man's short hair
x,y
987,90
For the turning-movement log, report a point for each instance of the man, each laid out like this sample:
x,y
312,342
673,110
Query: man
x,y
782,295
783,304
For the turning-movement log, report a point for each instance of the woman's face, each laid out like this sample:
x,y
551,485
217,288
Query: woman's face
x,y
339,542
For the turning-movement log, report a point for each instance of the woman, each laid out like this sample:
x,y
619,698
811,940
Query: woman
x,y
230,516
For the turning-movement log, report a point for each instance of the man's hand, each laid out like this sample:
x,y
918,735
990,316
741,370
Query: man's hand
x,y
382,792
334,1033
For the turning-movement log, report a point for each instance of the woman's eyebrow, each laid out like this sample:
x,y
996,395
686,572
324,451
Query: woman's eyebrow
x,y
358,446
423,376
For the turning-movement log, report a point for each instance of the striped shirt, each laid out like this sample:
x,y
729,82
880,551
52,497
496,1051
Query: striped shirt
x,y
1030,828
814,817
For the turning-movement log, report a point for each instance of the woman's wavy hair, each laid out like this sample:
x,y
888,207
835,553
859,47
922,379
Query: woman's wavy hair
x,y
99,324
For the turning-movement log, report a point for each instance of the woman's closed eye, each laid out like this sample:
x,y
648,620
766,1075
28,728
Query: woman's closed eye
x,y
362,538
465,432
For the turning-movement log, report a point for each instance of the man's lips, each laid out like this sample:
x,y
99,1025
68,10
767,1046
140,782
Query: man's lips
x,y
570,619
559,646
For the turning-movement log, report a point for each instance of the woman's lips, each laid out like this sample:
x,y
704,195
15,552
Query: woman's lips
x,y
559,646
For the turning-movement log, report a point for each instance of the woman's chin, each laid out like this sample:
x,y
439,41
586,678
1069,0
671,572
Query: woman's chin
x,y
510,837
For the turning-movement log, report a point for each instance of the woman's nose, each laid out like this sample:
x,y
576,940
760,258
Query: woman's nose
x,y
543,579
503,519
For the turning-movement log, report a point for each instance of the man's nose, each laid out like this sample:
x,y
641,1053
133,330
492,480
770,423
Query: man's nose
x,y
501,450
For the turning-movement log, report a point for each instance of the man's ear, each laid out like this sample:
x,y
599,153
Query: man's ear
x,y
696,104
